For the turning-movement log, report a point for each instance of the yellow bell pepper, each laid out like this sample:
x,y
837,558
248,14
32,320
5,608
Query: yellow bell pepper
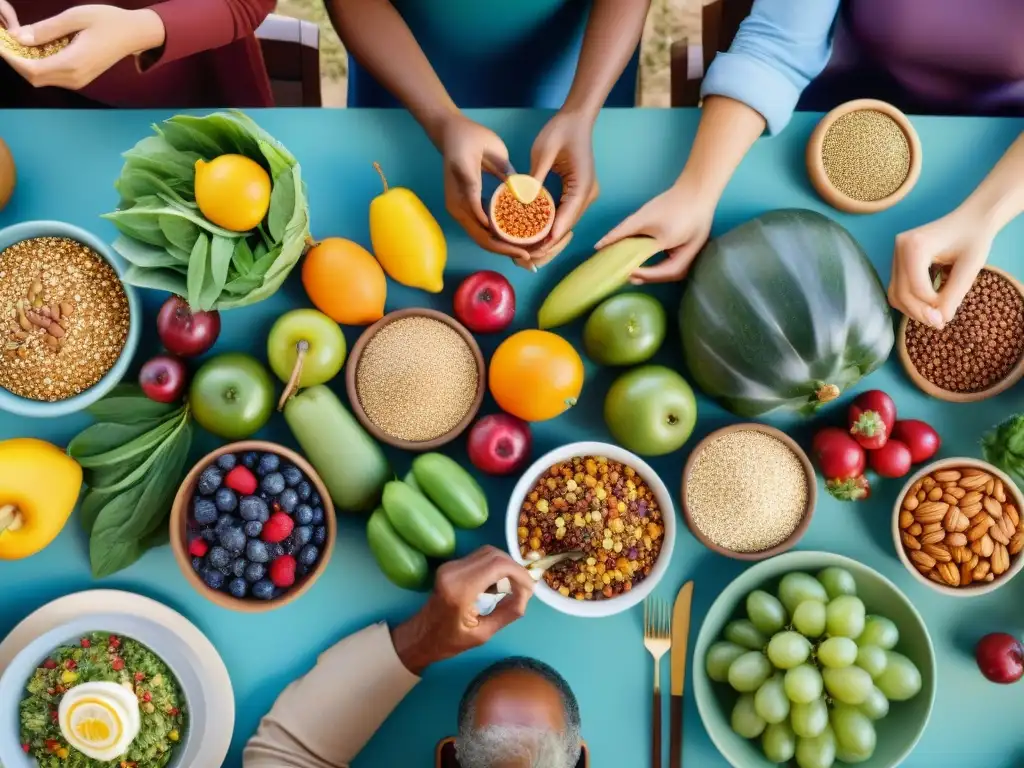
x,y
39,487
407,240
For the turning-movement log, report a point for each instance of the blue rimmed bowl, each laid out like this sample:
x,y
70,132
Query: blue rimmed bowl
x,y
22,406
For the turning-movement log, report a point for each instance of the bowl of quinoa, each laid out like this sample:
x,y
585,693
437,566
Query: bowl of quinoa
x,y
610,504
69,324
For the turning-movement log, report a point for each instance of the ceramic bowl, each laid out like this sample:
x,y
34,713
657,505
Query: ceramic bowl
x,y
22,406
625,601
1010,379
182,509
186,667
898,733
352,366
978,588
812,492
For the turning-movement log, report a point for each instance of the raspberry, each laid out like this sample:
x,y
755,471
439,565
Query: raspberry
x,y
85,642
117,664
114,641
198,547
242,481
277,528
282,571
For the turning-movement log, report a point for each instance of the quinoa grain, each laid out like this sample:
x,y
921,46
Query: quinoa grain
x,y
518,219
866,155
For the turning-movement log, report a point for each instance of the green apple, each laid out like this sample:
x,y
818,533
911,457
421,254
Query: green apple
x,y
232,395
316,336
625,329
650,410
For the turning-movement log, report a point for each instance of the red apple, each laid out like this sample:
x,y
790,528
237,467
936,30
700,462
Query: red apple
x,y
499,444
184,332
485,302
163,379
1000,657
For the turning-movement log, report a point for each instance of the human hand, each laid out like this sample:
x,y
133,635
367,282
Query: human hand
x,y
103,35
449,622
8,16
679,219
959,240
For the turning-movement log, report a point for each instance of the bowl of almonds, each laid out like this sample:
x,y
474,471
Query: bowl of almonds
x,y
957,527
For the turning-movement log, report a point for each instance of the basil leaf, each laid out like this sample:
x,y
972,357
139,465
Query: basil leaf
x,y
126,404
157,279
119,477
186,138
109,552
136,222
198,263
92,504
169,473
140,254
243,285
157,156
104,436
282,205
278,163
143,445
260,250
159,537
136,183
179,231
221,251
242,257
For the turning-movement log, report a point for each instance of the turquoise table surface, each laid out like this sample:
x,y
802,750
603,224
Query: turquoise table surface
x,y
67,164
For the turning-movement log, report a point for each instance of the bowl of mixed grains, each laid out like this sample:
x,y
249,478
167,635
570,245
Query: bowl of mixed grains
x,y
600,499
70,325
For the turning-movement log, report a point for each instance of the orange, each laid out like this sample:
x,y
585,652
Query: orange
x,y
233,192
536,375
345,282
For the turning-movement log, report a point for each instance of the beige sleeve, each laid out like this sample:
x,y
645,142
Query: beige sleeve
x,y
324,719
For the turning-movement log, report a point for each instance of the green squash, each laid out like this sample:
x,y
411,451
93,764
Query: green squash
x,y
783,312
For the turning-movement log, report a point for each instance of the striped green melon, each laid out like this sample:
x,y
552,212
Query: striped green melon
x,y
783,312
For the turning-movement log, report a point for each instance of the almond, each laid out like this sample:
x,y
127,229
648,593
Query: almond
x,y
966,575
936,577
983,546
979,529
906,519
992,506
923,570
932,537
990,577
915,488
922,559
909,541
962,523
931,512
920,495
935,494
970,509
999,492
949,521
940,553
915,529
958,540
957,492
950,499
947,475
910,502
927,483
949,486
1011,512
932,527
960,554
974,497
973,472
1000,560
949,573
981,570
1016,543
974,561
975,482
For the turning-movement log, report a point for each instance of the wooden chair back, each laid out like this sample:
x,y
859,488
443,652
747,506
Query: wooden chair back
x,y
720,20
291,51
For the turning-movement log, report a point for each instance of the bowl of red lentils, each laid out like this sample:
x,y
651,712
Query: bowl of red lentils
x,y
70,324
606,502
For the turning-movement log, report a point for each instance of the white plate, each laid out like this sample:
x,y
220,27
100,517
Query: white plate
x,y
220,695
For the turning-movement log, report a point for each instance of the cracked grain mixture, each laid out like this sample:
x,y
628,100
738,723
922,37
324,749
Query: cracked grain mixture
x,y
601,507
866,155
65,318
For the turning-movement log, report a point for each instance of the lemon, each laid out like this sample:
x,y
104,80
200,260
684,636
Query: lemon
x,y
523,187
233,192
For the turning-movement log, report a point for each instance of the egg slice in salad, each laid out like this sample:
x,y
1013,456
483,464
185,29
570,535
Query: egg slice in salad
x,y
100,720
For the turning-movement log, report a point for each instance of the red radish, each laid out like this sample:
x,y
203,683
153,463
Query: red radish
x,y
851,489
163,379
1000,658
922,440
891,460
874,400
869,430
184,332
837,455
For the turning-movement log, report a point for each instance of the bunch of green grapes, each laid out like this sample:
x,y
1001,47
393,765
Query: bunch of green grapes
x,y
813,670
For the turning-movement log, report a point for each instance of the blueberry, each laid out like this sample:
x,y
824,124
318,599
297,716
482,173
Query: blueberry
x,y
256,551
226,500
304,489
208,535
272,483
204,511
288,499
233,539
253,529
276,550
302,535
213,578
320,536
289,547
219,557
250,459
269,462
224,522
254,508
308,555
314,499
238,587
301,570
238,567
197,564
303,514
210,480
292,475
254,572
318,516
263,589
227,461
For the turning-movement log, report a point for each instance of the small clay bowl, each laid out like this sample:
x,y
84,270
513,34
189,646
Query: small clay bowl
x,y
1012,377
816,165
812,492
180,513
352,366
498,195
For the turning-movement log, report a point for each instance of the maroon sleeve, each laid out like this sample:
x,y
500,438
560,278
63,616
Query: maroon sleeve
x,y
193,26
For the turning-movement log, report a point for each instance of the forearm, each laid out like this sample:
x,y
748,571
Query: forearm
x,y
380,40
1000,197
612,35
193,26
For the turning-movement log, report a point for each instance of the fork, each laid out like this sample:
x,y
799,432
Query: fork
x,y
657,640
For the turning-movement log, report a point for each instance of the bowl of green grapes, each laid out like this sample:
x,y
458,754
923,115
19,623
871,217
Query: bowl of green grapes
x,y
813,660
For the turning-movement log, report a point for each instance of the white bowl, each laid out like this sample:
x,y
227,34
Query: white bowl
x,y
595,608
975,589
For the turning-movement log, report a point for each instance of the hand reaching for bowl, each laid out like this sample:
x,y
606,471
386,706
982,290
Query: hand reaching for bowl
x,y
103,35
449,623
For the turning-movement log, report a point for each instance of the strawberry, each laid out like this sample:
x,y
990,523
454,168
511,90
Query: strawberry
x,y
278,528
852,489
198,547
870,430
282,571
242,481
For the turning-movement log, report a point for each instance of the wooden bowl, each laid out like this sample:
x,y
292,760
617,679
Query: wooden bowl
x,y
816,166
812,492
352,366
180,514
1012,377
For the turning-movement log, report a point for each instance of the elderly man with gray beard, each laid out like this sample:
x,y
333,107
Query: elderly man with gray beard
x,y
518,713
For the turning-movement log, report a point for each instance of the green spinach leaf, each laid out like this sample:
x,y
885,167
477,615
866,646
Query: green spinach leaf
x,y
282,205
221,251
242,257
140,254
198,272
101,437
179,231
140,446
126,404
167,280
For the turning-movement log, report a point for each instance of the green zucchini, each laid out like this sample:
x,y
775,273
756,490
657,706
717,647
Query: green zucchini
x,y
442,480
418,521
410,480
404,566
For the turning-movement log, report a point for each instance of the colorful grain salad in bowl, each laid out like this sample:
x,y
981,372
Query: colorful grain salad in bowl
x,y
605,502
105,700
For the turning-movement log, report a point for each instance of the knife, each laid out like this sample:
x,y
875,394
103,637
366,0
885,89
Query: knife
x,y
680,636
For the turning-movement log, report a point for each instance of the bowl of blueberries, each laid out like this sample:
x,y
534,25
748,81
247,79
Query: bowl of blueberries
x,y
252,526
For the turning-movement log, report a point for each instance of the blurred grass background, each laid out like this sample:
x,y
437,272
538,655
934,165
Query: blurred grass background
x,y
669,21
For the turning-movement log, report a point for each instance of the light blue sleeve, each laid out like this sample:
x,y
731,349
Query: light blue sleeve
x,y
779,48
